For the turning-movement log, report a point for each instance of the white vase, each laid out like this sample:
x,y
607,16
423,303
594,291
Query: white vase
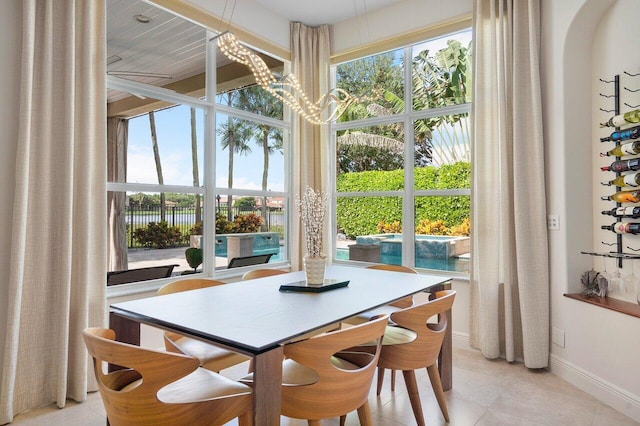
x,y
314,269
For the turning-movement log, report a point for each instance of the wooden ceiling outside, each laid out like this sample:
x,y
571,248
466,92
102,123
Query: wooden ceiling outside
x,y
167,45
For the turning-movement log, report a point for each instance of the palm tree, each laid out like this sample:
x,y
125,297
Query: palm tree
x,y
194,162
257,100
234,134
156,157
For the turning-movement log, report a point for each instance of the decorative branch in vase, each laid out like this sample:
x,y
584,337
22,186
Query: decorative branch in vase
x,y
312,208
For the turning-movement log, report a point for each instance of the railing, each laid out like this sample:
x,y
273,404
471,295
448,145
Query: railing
x,y
185,218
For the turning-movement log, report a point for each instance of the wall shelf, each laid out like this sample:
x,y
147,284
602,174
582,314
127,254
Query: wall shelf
x,y
617,305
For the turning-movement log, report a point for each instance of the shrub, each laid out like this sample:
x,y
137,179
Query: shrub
x,y
390,228
361,215
242,223
245,223
158,235
197,229
463,229
428,227
223,226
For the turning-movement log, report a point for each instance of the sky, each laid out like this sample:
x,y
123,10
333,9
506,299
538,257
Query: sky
x,y
173,130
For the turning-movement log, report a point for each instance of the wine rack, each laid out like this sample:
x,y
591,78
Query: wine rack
x,y
619,252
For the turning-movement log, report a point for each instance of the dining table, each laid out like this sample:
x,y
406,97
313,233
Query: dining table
x,y
256,318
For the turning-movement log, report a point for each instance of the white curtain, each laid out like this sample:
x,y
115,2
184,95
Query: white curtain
x,y
510,277
310,51
117,138
57,280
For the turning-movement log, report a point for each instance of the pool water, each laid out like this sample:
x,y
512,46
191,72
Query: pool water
x,y
453,264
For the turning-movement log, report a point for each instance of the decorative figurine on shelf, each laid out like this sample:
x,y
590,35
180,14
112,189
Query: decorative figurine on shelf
x,y
595,284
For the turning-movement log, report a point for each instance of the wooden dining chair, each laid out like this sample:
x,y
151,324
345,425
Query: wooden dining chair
x,y
386,309
157,387
261,273
321,379
211,357
414,342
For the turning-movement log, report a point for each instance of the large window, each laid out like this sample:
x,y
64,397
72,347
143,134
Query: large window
x,y
197,167
402,181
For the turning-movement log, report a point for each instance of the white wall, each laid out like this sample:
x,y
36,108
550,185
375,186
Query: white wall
x,y
399,18
252,17
601,353
10,19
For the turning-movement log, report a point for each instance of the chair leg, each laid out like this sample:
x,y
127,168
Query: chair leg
x,y
364,414
414,396
393,380
434,376
380,380
343,419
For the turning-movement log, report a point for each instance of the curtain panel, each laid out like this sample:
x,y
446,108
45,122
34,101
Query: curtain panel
x,y
57,282
117,138
310,51
510,277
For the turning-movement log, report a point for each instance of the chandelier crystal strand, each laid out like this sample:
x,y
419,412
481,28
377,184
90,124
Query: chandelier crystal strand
x,y
287,88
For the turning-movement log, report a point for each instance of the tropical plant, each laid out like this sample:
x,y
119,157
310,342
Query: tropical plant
x,y
194,257
235,135
156,157
158,235
257,100
439,80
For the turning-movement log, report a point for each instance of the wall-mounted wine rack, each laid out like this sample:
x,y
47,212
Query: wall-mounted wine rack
x,y
619,253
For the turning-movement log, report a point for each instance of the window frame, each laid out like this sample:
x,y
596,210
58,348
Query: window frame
x,y
407,117
208,189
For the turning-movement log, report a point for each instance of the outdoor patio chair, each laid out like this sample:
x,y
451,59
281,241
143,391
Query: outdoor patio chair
x,y
139,274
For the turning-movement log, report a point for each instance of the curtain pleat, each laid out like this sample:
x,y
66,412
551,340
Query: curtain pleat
x,y
57,279
310,52
510,281
117,139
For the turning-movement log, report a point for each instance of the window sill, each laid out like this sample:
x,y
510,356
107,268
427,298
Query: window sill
x,y
617,305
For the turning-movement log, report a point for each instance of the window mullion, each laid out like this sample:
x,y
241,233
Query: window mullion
x,y
208,263
408,231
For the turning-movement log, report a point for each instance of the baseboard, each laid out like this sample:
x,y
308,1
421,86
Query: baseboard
x,y
461,341
610,394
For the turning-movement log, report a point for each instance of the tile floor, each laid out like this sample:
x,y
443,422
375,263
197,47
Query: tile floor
x,y
485,393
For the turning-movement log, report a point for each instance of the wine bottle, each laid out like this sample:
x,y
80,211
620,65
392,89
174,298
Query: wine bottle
x,y
623,227
623,119
633,212
631,179
623,135
624,196
623,165
631,148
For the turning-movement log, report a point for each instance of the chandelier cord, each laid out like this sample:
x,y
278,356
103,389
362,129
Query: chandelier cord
x,y
224,11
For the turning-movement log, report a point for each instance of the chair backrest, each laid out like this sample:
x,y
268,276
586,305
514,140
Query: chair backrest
x,y
341,386
424,350
139,274
260,273
187,284
258,259
177,286
407,301
130,395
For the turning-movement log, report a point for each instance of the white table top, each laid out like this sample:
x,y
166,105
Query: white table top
x,y
254,316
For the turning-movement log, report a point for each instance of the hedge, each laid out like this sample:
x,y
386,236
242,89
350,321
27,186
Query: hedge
x,y
361,215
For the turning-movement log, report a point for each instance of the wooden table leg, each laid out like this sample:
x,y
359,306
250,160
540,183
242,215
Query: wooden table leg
x,y
127,331
445,358
267,379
